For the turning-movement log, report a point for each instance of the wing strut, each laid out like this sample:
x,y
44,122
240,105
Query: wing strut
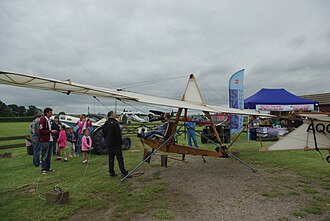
x,y
315,141
207,114
247,165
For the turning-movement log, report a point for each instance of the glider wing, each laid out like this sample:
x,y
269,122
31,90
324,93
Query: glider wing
x,y
68,87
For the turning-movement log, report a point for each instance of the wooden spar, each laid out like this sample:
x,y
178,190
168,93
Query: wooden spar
x,y
180,149
185,128
207,114
177,118
185,115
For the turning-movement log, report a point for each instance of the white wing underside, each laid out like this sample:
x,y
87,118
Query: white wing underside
x,y
303,139
68,87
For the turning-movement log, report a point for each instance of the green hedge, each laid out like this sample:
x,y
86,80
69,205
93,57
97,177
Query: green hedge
x,y
16,119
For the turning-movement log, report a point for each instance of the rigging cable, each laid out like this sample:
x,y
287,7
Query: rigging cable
x,y
138,84
214,92
143,83
127,103
101,103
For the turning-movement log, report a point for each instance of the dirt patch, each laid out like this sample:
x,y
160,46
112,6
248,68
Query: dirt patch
x,y
224,189
90,215
221,189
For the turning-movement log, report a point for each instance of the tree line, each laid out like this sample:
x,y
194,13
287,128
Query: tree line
x,y
13,110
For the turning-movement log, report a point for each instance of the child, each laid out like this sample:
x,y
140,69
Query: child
x,y
86,144
72,142
62,142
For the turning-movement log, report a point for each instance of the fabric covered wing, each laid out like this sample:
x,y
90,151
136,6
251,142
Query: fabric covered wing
x,y
30,81
302,138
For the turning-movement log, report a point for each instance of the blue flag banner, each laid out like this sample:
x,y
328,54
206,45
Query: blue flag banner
x,y
236,100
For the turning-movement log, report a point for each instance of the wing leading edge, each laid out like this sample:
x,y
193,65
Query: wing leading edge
x,y
68,87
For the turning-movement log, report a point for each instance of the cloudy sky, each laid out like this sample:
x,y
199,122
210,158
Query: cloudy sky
x,y
151,47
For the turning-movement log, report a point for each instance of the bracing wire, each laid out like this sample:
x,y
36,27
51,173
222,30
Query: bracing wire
x,y
213,91
101,102
127,103
143,83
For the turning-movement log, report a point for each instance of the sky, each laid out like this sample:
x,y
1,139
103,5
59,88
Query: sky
x,y
151,47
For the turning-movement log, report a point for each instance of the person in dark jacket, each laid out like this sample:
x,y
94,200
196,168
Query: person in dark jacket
x,y
45,138
56,125
112,136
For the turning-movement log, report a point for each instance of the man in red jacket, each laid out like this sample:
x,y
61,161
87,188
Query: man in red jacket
x,y
45,138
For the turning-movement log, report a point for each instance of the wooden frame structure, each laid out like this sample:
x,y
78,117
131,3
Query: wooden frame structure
x,y
192,94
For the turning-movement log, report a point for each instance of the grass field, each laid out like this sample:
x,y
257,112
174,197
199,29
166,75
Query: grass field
x,y
23,188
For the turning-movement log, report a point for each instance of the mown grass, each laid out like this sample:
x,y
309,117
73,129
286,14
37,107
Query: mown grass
x,y
14,129
23,188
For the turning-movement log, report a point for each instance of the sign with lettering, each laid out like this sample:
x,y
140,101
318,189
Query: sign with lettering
x,y
236,100
293,107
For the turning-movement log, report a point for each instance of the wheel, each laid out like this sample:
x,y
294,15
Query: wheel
x,y
203,140
127,143
328,158
99,144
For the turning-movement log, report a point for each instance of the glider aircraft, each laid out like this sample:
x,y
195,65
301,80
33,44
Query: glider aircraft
x,y
191,99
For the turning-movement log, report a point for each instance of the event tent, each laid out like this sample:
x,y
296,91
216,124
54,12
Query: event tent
x,y
278,99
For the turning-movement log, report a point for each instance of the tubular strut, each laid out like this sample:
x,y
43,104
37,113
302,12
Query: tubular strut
x,y
147,158
247,165
315,141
